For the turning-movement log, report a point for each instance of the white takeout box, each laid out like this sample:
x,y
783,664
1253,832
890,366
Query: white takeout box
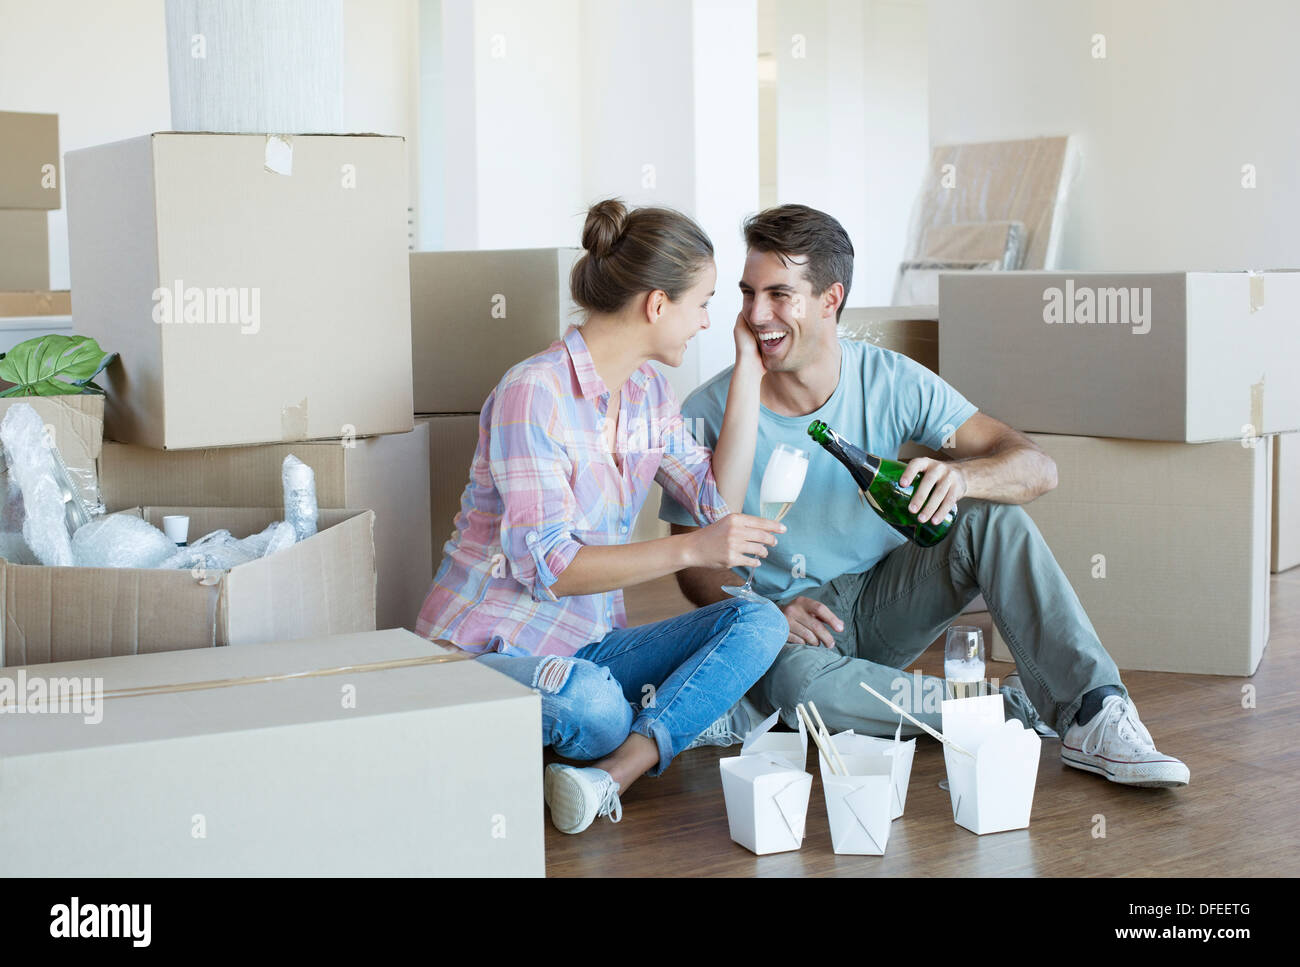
x,y
862,805
766,789
994,791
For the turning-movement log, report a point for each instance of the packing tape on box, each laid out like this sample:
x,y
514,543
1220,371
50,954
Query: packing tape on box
x,y
1256,289
144,690
1257,408
293,421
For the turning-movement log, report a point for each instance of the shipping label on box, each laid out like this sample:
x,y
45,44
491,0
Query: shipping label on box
x,y
322,585
328,756
476,314
1175,356
256,287
1166,546
30,174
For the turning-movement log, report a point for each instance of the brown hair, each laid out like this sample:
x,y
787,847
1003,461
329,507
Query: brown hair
x,y
792,231
638,251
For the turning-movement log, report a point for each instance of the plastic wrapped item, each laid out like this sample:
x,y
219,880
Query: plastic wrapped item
x,y
52,508
275,538
120,540
221,551
1000,241
1026,181
12,546
300,508
918,281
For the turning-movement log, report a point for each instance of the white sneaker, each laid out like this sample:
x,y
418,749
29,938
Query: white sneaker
x,y
577,796
1116,744
731,728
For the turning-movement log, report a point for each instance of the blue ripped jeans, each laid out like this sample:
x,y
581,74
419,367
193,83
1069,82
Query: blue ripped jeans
x,y
668,681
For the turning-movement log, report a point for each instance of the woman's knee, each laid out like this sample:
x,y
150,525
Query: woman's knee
x,y
594,714
765,626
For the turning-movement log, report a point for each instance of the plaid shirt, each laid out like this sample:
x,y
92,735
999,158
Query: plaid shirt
x,y
542,485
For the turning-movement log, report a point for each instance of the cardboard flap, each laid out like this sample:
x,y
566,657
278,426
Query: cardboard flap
x,y
789,747
324,585
869,806
167,609
792,803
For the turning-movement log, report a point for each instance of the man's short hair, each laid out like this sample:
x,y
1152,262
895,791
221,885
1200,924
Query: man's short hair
x,y
791,231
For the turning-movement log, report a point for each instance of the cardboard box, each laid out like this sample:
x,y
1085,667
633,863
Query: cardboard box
x,y
1166,545
453,439
24,249
476,314
1286,501
1177,356
388,475
35,303
29,163
910,330
426,768
321,586
76,427
289,255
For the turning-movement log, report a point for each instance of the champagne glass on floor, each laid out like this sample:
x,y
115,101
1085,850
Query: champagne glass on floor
x,y
782,480
963,665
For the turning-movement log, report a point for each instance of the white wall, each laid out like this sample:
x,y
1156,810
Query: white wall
x,y
1188,93
547,108
853,136
102,67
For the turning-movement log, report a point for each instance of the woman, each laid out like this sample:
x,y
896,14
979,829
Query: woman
x,y
569,442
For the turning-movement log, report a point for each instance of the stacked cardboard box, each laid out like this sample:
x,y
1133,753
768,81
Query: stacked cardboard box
x,y
30,182
1166,540
230,272
494,309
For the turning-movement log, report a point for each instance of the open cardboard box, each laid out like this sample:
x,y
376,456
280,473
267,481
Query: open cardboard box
x,y
323,585
766,789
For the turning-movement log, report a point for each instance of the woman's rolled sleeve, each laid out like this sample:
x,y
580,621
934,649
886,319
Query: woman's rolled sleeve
x,y
531,470
686,474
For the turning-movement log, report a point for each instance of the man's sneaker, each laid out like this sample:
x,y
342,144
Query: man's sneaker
x,y
1028,714
577,796
731,728
1116,744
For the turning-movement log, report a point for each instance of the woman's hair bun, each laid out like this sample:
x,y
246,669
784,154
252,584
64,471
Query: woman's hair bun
x,y
605,223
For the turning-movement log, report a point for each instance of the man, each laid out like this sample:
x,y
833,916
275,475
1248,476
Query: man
x,y
861,601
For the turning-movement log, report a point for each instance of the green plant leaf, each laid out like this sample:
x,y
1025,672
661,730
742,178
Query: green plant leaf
x,y
53,365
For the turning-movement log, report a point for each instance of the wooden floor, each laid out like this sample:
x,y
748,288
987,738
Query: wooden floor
x,y
1237,817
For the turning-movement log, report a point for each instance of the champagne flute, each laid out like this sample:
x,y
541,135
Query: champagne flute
x,y
782,480
963,665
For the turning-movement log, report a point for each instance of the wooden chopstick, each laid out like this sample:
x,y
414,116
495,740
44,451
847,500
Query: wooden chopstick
x,y
812,707
812,730
915,721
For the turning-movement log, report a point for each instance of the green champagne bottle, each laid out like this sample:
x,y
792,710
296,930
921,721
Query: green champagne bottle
x,y
878,483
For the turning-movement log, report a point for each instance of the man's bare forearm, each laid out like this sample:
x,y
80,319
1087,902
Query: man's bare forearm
x,y
702,585
1015,474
